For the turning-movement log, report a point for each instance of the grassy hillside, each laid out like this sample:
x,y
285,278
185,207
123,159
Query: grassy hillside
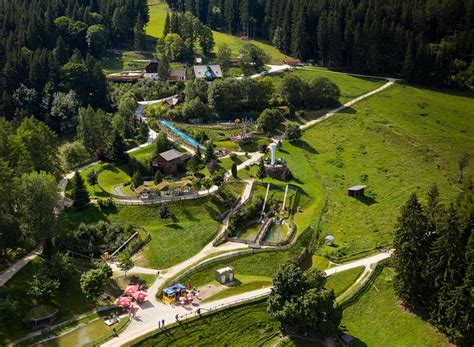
x,y
397,142
377,319
173,240
156,25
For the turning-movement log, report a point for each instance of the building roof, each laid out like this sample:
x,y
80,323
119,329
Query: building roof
x,y
357,188
207,71
177,288
171,155
177,74
224,269
152,66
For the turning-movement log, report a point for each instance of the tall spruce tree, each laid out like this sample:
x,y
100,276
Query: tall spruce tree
x,y
167,27
117,149
80,195
411,244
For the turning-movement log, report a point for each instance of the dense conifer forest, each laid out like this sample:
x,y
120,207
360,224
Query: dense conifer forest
x,y
53,46
424,41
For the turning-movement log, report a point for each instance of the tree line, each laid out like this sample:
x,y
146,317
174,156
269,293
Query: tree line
x,y
434,260
423,41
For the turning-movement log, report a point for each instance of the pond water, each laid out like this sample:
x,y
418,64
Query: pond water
x,y
81,336
277,233
250,232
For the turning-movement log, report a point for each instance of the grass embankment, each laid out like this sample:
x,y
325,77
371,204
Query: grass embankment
x,y
377,319
397,142
252,271
341,281
172,240
158,10
248,325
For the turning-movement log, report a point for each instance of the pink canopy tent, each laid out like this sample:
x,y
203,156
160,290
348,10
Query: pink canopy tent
x,y
140,295
189,297
132,289
124,301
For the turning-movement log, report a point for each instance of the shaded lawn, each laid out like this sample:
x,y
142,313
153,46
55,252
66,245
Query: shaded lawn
x,y
248,325
125,60
109,175
173,240
377,319
398,142
341,281
70,300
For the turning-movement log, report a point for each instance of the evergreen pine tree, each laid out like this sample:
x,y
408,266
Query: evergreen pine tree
x,y
139,36
233,170
446,265
209,155
80,195
158,177
117,149
167,28
411,252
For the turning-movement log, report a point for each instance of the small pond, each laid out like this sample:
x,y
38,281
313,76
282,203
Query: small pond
x,y
277,233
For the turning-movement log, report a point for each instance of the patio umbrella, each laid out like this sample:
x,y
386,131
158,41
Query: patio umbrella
x,y
139,296
123,301
190,296
131,289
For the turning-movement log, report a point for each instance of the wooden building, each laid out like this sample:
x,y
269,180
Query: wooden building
x,y
356,191
168,162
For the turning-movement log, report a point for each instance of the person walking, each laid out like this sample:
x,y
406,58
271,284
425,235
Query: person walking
x,y
159,324
162,323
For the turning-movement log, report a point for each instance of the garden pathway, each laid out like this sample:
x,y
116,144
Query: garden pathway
x,y
18,265
153,311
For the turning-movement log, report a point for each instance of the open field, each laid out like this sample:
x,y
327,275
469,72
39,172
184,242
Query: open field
x,y
156,25
172,240
341,281
377,319
116,61
350,86
248,325
398,142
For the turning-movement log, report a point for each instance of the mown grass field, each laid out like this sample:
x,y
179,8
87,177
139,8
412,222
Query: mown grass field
x,y
173,240
248,325
377,319
341,281
397,142
125,60
158,10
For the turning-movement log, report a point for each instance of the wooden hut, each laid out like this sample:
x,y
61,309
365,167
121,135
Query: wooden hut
x,y
356,191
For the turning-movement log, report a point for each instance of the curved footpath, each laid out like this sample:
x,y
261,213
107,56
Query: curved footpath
x,y
153,311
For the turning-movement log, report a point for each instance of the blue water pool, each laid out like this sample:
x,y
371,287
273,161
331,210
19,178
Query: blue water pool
x,y
181,134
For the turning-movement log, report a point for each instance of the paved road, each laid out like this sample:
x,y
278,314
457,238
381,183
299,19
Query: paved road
x,y
152,311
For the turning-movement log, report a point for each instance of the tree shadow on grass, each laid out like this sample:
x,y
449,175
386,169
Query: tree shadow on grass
x,y
304,146
174,226
366,200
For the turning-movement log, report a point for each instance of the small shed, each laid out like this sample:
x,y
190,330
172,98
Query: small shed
x,y
225,275
329,240
356,191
